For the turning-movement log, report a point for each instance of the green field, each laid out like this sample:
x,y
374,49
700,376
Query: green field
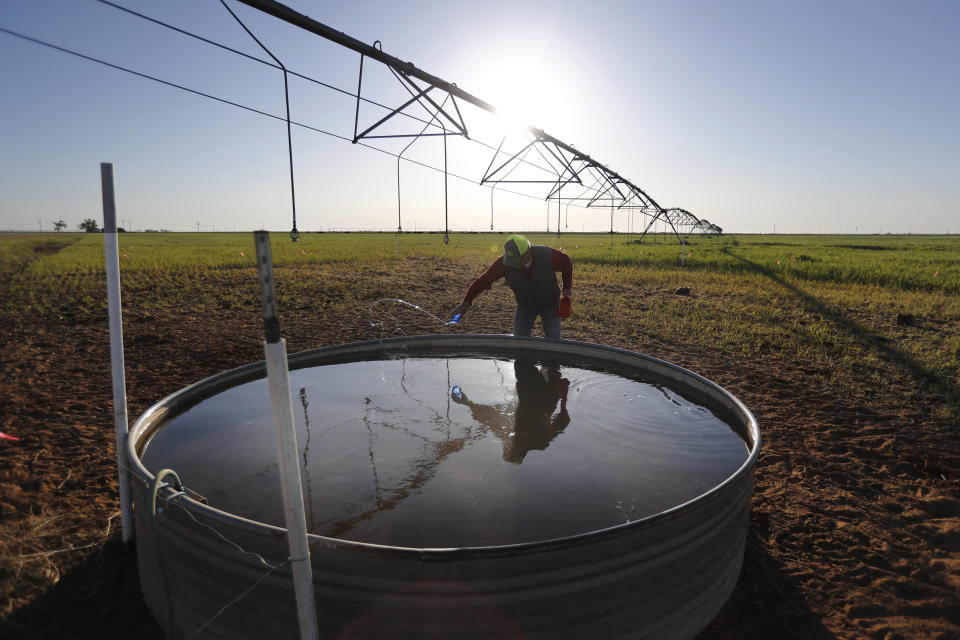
x,y
898,262
825,304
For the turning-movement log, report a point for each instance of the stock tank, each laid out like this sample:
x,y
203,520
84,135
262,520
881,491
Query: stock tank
x,y
468,486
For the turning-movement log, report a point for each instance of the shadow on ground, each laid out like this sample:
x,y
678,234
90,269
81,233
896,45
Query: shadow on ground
x,y
98,598
935,387
766,603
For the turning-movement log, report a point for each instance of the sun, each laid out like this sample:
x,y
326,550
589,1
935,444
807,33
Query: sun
x,y
520,88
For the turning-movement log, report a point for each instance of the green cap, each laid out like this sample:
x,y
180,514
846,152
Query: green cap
x,y
513,250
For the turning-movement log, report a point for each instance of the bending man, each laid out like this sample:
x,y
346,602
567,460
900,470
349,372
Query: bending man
x,y
530,272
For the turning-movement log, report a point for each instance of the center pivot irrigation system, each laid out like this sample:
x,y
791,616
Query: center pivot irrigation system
x,y
524,156
566,170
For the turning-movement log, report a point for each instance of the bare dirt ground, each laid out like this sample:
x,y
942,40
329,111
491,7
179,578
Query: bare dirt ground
x,y
854,530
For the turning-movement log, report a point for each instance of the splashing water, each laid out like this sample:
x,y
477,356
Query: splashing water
x,y
454,320
398,301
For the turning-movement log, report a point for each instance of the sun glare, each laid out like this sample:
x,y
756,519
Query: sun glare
x,y
519,88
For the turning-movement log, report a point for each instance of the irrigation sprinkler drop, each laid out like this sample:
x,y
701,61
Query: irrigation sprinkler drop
x,y
491,211
446,208
294,234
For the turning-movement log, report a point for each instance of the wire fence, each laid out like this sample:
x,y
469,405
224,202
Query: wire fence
x,y
177,500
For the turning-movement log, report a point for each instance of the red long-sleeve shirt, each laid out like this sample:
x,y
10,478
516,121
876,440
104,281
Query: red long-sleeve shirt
x,y
558,260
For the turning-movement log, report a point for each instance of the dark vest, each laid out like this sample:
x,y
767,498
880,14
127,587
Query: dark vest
x,y
542,292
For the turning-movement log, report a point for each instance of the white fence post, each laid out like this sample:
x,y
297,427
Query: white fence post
x,y
116,344
281,402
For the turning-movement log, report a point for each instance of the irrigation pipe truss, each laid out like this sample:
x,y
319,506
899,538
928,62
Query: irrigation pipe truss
x,y
244,107
249,108
568,164
566,167
261,61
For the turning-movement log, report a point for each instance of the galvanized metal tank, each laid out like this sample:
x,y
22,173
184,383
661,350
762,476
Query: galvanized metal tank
x,y
204,571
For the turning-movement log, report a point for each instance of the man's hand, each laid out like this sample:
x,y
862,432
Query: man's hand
x,y
460,309
565,306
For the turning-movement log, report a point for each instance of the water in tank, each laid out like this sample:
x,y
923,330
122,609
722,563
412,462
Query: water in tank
x,y
456,451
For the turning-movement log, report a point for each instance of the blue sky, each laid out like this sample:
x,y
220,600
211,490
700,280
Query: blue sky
x,y
813,117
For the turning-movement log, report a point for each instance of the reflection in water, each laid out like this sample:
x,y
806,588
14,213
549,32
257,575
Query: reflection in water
x,y
391,456
531,424
527,424
419,471
306,462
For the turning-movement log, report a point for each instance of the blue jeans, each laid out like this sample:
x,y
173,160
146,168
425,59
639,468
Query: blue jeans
x,y
523,320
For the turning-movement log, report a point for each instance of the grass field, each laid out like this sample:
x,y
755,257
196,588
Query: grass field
x,y
830,301
847,349
901,263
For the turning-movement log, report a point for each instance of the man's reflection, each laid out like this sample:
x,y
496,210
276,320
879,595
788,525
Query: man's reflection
x,y
533,424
